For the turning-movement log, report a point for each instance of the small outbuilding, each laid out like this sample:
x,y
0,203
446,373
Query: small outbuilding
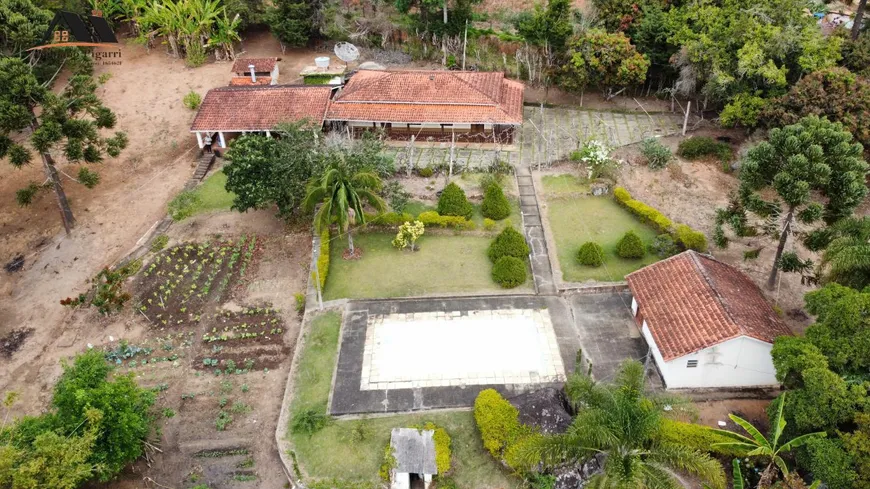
x,y
255,71
706,323
414,453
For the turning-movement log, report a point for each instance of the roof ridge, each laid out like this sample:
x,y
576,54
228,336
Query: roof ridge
x,y
496,102
363,84
706,275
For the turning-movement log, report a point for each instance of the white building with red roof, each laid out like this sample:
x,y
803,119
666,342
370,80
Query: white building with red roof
x,y
431,105
227,112
706,323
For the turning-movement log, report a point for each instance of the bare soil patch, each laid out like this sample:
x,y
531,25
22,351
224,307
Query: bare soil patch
x,y
690,192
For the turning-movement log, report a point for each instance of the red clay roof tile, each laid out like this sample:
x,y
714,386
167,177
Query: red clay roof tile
x,y
429,96
260,108
260,64
693,301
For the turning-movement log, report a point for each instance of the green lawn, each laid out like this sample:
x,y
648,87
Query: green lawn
x,y
444,264
574,221
339,452
564,184
212,194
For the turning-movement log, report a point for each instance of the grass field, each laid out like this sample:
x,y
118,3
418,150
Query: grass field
x,y
574,221
441,265
564,184
349,453
208,197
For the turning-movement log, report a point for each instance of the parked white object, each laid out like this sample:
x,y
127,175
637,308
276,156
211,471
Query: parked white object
x,y
322,61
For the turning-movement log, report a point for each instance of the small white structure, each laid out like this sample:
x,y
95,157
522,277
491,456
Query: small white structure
x,y
706,323
414,451
255,71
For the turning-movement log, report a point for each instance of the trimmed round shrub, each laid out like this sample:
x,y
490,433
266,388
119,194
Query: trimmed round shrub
x,y
425,172
664,246
509,272
495,205
591,254
630,246
509,242
453,202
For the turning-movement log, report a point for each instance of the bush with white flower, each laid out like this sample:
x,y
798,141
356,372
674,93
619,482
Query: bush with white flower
x,y
595,156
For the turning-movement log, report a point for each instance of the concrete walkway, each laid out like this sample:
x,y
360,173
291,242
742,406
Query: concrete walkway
x,y
534,231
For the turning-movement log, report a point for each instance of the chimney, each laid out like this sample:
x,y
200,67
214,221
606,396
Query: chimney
x,y
253,75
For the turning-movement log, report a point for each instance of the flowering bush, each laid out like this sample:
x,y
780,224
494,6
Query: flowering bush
x,y
595,155
408,234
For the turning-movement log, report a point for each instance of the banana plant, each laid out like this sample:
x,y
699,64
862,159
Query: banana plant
x,y
771,449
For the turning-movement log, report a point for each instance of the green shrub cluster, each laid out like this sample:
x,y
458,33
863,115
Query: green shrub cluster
x,y
663,246
687,237
495,204
509,272
192,100
591,254
697,147
432,218
323,259
387,464
453,202
389,219
644,212
497,420
630,246
697,437
509,242
159,242
184,205
442,440
691,239
426,172
657,154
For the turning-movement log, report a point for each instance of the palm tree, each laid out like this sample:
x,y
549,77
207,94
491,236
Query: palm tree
x,y
772,449
620,423
847,257
342,196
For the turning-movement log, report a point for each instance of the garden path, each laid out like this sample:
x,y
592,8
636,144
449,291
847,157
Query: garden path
x,y
533,228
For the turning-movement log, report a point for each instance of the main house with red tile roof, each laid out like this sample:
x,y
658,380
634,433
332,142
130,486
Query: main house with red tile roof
x,y
430,105
706,323
416,105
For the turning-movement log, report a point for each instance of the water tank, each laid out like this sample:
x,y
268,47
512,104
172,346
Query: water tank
x,y
322,61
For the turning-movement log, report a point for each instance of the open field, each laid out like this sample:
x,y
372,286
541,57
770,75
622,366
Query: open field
x,y
352,450
443,264
574,221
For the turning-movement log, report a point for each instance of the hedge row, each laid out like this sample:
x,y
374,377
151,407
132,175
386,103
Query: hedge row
x,y
689,238
428,218
322,259
432,218
698,437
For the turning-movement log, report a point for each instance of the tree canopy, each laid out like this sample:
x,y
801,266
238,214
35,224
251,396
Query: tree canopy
x,y
816,171
731,48
73,119
602,59
96,426
825,373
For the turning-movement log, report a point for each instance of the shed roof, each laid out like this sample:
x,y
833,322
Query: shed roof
x,y
260,108
414,450
260,64
244,81
692,301
429,96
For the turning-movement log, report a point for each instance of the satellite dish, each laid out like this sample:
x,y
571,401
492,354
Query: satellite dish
x,y
346,52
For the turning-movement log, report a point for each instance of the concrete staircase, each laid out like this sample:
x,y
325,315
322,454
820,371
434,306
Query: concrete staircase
x,y
205,162
534,230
